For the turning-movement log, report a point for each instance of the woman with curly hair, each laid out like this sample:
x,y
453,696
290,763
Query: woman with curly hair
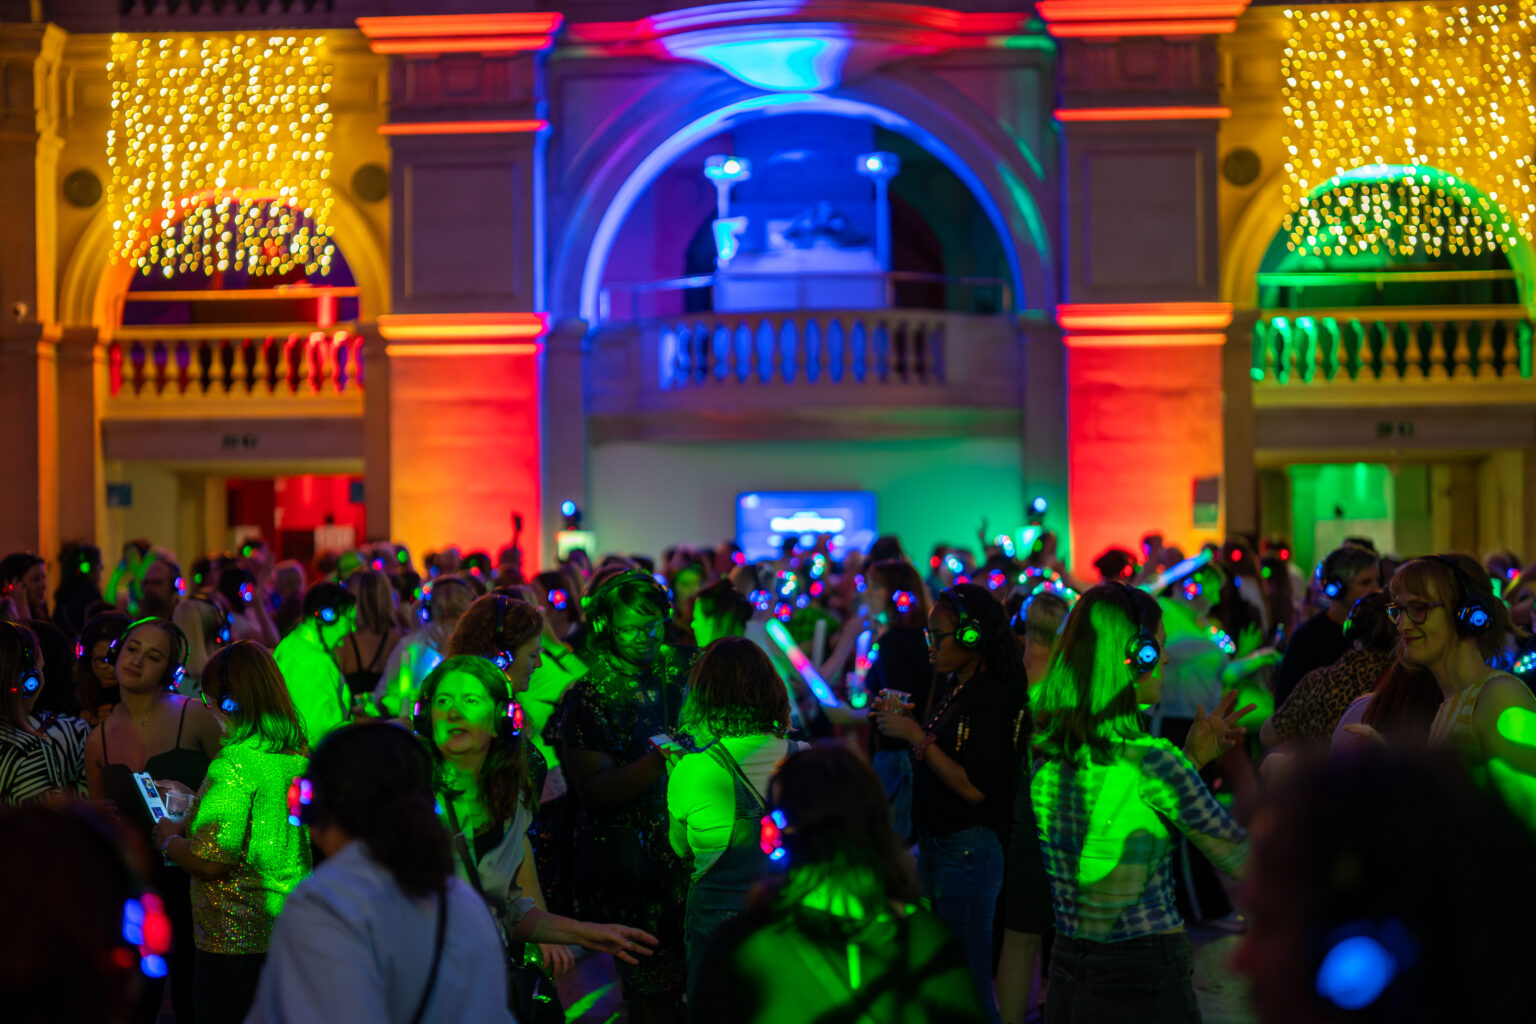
x,y
738,712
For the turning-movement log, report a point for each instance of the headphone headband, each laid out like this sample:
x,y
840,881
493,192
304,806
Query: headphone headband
x,y
968,630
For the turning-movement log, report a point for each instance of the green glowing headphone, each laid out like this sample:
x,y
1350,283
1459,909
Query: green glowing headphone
x,y
968,632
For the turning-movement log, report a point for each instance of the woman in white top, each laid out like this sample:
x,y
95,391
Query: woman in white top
x,y
737,714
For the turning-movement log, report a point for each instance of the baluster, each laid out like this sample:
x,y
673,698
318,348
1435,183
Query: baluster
x,y
789,340
115,366
249,363
317,347
721,340
763,349
742,360
136,359
1437,350
341,350
882,353
1509,358
1413,354
919,353
1388,354
937,363
813,353
289,370
1461,355
183,355
858,344
837,351
666,357
204,365
161,358
1485,354
703,366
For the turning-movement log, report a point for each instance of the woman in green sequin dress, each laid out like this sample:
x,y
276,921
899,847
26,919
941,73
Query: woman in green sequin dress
x,y
243,855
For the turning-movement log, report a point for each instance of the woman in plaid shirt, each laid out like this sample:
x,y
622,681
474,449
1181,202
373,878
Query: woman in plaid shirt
x,y
1107,798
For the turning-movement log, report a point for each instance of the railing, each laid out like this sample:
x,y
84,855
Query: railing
x,y
649,300
781,361
766,349
170,363
1392,344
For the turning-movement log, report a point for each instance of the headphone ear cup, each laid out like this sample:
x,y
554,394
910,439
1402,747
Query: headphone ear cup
x,y
968,635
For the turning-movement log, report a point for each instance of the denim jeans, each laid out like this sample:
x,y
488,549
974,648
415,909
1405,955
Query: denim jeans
x,y
225,985
1139,981
962,873
895,770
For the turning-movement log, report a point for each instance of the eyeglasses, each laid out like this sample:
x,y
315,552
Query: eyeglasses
x,y
644,631
1417,611
934,637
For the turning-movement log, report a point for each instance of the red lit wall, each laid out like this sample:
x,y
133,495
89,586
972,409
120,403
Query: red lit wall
x,y
1143,424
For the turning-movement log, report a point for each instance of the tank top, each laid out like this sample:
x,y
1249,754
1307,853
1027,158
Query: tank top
x,y
185,766
1453,722
365,680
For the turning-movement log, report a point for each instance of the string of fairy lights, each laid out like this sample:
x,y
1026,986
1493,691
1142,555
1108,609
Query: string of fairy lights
x,y
218,152
1410,128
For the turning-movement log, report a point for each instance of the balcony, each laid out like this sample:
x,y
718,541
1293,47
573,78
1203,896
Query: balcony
x,y
234,370
1399,354
803,374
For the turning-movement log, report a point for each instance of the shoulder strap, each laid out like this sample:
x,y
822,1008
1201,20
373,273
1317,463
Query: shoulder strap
x,y
377,653
726,759
104,758
437,953
461,847
181,721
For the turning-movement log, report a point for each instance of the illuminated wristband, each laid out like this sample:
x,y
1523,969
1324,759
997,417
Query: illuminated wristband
x,y
166,845
922,746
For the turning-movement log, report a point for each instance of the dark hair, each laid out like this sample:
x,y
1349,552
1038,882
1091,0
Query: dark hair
x,y
551,579
327,594
17,564
72,554
504,778
1087,703
108,626
476,631
1276,576
838,825
1000,653
231,579
62,950
897,574
373,781
1404,704
734,691
1347,562
246,672
1433,576
1379,841
886,546
58,693
607,593
1369,626
1114,562
723,603
14,640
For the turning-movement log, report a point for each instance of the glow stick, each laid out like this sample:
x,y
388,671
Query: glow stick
x,y
802,664
1174,573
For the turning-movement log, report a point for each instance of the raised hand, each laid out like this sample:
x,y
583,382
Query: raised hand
x,y
1214,734
620,940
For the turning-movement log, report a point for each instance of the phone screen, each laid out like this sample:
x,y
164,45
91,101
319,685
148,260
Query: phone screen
x,y
151,796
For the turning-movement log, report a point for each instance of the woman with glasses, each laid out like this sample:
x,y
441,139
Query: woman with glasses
x,y
236,843
964,768
1450,623
625,869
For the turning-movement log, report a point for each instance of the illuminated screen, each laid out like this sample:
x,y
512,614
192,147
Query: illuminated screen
x,y
765,518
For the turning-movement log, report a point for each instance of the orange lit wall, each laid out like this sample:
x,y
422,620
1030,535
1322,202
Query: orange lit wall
x,y
464,448
1143,423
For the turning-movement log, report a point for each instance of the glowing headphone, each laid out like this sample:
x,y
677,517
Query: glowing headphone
x,y
771,833
1333,587
559,600
179,651
501,658
29,681
508,728
1142,651
226,620
1472,616
904,600
997,579
301,793
967,633
1191,587
145,932
227,704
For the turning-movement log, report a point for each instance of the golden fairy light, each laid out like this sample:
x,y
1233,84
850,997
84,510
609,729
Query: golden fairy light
x,y
218,153
1410,128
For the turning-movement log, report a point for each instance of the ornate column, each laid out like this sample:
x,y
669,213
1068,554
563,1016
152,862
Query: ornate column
x,y
29,149
1141,326
462,350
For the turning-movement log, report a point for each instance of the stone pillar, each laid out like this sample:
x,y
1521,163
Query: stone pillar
x,y
564,426
376,433
462,350
29,148
1142,329
1240,478
82,389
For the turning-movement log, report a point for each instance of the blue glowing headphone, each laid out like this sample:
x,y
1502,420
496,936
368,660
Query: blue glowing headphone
x,y
1361,960
771,832
1333,587
1472,616
1142,651
501,657
558,599
227,704
29,682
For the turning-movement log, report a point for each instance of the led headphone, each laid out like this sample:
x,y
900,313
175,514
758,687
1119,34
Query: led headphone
x,y
904,600
179,651
502,658
996,579
559,600
146,927
226,619
1333,587
771,832
1472,616
967,633
1142,651
1361,962
29,682
227,704
508,727
1192,587
301,793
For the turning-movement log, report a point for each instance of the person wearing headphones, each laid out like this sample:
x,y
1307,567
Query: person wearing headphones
x,y
1450,623
964,766
1108,799
32,768
1345,576
207,626
171,737
442,602
625,869
899,662
843,935
307,659
236,844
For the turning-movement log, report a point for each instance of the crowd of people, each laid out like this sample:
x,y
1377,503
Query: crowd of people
x,y
837,785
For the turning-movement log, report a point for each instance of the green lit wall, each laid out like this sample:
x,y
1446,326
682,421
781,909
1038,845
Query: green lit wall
x,y
1329,502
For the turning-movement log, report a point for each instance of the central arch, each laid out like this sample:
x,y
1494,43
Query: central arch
x,y
996,171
